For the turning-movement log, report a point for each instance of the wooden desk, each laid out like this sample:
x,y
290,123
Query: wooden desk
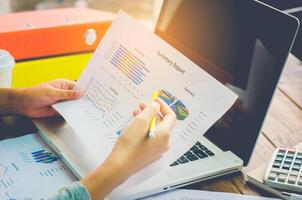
x,y
283,127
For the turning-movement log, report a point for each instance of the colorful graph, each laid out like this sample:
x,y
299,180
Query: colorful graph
x,y
100,103
177,105
129,64
101,98
43,156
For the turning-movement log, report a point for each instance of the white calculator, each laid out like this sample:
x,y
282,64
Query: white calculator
x,y
284,170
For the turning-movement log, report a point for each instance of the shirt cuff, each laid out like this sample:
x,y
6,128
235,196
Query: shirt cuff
x,y
76,191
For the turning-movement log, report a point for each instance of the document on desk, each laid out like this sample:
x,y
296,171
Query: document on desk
x,y
128,65
183,194
30,170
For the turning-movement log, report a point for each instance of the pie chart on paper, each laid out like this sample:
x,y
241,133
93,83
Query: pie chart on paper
x,y
175,104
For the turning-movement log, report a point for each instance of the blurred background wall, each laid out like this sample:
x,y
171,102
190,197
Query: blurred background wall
x,y
140,9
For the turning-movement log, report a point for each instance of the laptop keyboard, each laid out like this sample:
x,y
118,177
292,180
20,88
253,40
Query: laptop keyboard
x,y
197,152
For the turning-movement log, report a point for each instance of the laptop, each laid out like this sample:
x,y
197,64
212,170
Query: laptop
x,y
244,45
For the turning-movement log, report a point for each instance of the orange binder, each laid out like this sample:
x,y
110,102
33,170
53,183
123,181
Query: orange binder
x,y
34,34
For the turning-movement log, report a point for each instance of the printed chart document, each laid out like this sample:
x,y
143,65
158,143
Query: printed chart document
x,y
128,65
183,194
29,169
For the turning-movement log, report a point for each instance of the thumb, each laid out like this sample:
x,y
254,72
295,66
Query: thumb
x,y
62,95
150,111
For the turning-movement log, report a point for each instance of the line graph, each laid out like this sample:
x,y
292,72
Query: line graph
x,y
100,104
100,98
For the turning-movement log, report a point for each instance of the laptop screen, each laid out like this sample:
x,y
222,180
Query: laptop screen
x,y
244,45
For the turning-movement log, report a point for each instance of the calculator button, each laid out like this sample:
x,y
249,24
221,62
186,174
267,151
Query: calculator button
x,y
272,176
277,164
282,150
290,155
296,167
286,166
294,173
298,161
292,179
281,154
279,171
300,181
299,156
288,159
282,177
279,158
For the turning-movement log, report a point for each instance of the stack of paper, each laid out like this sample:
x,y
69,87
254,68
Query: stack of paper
x,y
30,170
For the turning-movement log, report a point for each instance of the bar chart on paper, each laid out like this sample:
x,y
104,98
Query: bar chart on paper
x,y
39,156
127,63
30,170
126,68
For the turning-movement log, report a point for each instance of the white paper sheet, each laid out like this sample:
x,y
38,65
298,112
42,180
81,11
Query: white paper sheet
x,y
128,65
29,169
182,194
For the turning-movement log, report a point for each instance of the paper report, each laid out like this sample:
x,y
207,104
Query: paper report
x,y
30,170
128,65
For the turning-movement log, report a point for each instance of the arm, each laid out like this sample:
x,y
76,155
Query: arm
x,y
36,101
133,149
9,100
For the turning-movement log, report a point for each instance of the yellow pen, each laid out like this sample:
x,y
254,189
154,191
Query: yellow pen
x,y
153,120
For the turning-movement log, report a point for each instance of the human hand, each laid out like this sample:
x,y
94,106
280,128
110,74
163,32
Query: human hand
x,y
36,101
134,148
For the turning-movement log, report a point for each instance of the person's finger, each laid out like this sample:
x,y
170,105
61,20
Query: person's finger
x,y
159,118
136,112
51,112
62,95
45,112
169,116
63,84
68,84
143,105
150,111
164,108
